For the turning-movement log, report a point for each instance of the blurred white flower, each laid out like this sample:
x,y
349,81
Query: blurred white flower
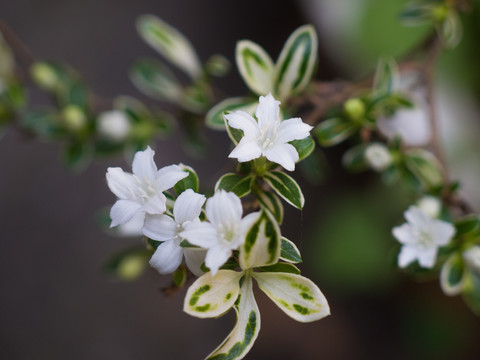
x,y
430,205
267,136
113,125
378,156
421,237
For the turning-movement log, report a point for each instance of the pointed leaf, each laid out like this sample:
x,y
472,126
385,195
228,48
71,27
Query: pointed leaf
x,y
280,267
386,77
169,42
255,66
179,276
211,296
333,131
286,187
296,295
451,31
190,182
234,134
214,117
239,342
452,275
296,62
262,243
239,184
269,201
354,158
425,167
467,224
290,252
304,147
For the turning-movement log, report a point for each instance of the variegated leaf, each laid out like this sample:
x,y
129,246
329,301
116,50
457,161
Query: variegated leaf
x,y
269,201
211,296
333,131
169,42
290,252
239,342
286,187
452,275
296,62
262,243
190,182
296,295
425,166
240,185
255,66
386,76
214,117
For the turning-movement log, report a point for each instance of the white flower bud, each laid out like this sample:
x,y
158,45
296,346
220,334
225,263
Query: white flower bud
x,y
113,125
378,157
430,205
472,258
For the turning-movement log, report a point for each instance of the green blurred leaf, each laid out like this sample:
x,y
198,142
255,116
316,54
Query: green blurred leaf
x,y
467,224
354,158
386,76
214,117
425,167
333,131
179,276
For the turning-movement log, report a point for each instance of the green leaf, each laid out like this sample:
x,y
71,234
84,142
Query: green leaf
x,y
16,94
269,201
197,97
386,77
169,42
280,267
214,117
134,108
296,62
179,277
44,123
416,13
467,224
190,182
286,187
77,94
333,131
471,291
425,167
262,242
452,275
290,252
211,296
296,295
129,264
354,158
450,30
239,184
255,66
304,147
156,80
77,154
240,340
234,134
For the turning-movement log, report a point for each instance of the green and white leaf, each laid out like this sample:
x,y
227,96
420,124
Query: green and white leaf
x,y
190,182
285,187
241,185
214,118
333,131
296,295
354,158
234,134
425,166
156,80
296,62
169,42
255,66
289,252
239,342
451,30
387,76
452,275
269,201
262,243
211,296
280,267
304,147
132,107
467,224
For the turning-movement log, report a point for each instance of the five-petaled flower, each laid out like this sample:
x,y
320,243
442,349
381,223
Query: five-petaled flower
x,y
421,237
225,230
141,192
267,136
169,254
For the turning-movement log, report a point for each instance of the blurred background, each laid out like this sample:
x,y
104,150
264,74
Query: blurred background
x,y
56,302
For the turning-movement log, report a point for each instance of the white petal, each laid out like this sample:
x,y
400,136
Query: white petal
x,y
217,256
224,208
201,234
292,129
283,154
159,227
268,111
417,217
188,206
243,121
155,204
167,257
194,259
247,149
407,255
133,227
168,176
143,165
123,210
442,232
121,183
427,257
403,234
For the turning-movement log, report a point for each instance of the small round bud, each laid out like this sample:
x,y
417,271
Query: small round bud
x,y
74,118
217,65
378,157
131,267
113,125
354,108
430,205
44,76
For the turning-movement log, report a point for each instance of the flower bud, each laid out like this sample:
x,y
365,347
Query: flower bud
x,y
355,109
74,118
113,125
430,205
44,76
378,156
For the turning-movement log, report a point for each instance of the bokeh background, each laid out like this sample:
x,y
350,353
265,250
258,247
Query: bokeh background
x,y
56,302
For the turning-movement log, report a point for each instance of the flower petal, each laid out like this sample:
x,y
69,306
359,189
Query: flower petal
x,y
224,208
427,257
245,122
202,234
159,227
292,129
417,217
283,154
247,149
194,259
121,183
133,227
188,206
442,232
403,234
267,112
217,255
407,255
167,257
155,204
143,165
123,210
168,176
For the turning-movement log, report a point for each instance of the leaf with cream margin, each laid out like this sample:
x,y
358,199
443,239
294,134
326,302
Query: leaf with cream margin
x,y
169,42
255,66
239,342
296,295
452,275
296,62
286,187
211,296
214,118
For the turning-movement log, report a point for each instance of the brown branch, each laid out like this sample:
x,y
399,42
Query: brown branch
x,y
19,48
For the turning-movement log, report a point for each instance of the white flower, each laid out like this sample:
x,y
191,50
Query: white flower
x,y
132,227
378,156
141,192
430,205
169,254
421,237
113,125
268,135
225,230
472,258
